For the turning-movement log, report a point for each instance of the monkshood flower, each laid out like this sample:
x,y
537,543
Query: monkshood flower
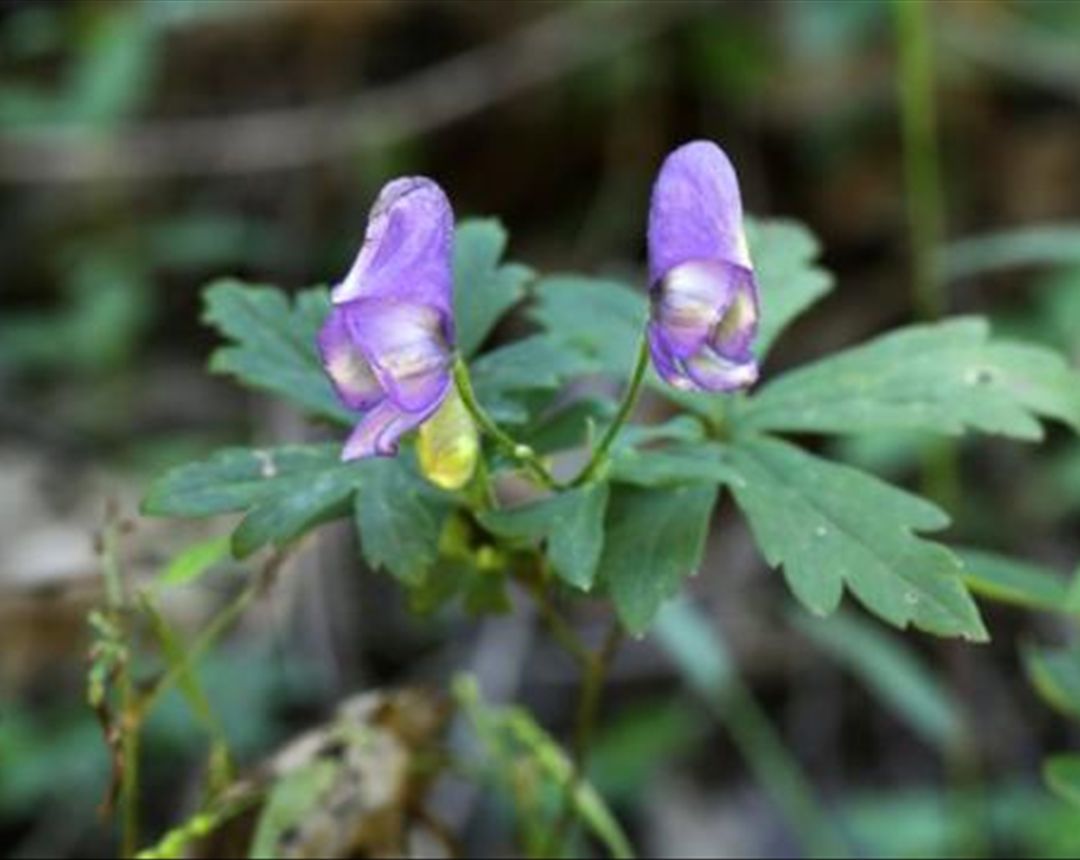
x,y
387,345
704,300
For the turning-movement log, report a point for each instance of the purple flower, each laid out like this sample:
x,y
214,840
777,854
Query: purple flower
x,y
388,342
704,300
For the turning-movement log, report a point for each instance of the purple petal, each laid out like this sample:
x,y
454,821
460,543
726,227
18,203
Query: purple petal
x,y
349,371
690,301
405,346
378,432
737,327
665,361
711,371
696,211
407,254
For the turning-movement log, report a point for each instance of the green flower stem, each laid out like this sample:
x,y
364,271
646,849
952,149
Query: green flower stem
x,y
629,401
521,453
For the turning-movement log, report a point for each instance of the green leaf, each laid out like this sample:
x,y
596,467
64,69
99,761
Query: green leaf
x,y
830,525
941,378
675,464
195,561
600,319
515,742
273,343
1008,580
1062,774
655,538
1056,675
1045,244
571,522
890,670
784,254
285,491
484,290
505,376
1072,599
401,518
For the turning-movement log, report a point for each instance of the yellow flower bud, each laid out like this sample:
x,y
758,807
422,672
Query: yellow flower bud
x,y
449,445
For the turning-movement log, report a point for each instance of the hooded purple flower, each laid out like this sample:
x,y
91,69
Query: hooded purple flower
x,y
387,344
704,300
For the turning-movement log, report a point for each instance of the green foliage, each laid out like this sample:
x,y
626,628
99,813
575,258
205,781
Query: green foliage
x,y
639,742
273,343
655,539
598,319
926,822
194,562
284,491
892,672
1063,776
702,658
535,771
571,524
95,331
400,518
784,254
830,525
941,378
1046,244
1007,580
1056,675
484,288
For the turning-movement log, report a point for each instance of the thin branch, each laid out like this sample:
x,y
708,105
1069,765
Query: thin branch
x,y
285,139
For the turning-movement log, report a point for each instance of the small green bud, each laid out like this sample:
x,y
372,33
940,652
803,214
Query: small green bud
x,y
449,445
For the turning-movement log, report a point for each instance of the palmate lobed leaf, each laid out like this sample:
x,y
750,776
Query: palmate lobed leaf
x,y
400,518
484,287
572,525
789,280
273,343
283,491
830,526
946,377
598,319
655,538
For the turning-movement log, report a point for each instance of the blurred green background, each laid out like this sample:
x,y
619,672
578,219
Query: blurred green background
x,y
146,147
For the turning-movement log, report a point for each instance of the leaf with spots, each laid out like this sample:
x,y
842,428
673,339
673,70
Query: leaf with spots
x,y
830,526
948,377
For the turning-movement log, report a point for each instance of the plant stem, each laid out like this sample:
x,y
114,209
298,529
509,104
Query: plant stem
x,y
926,206
630,398
214,630
594,674
129,783
521,453
926,219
